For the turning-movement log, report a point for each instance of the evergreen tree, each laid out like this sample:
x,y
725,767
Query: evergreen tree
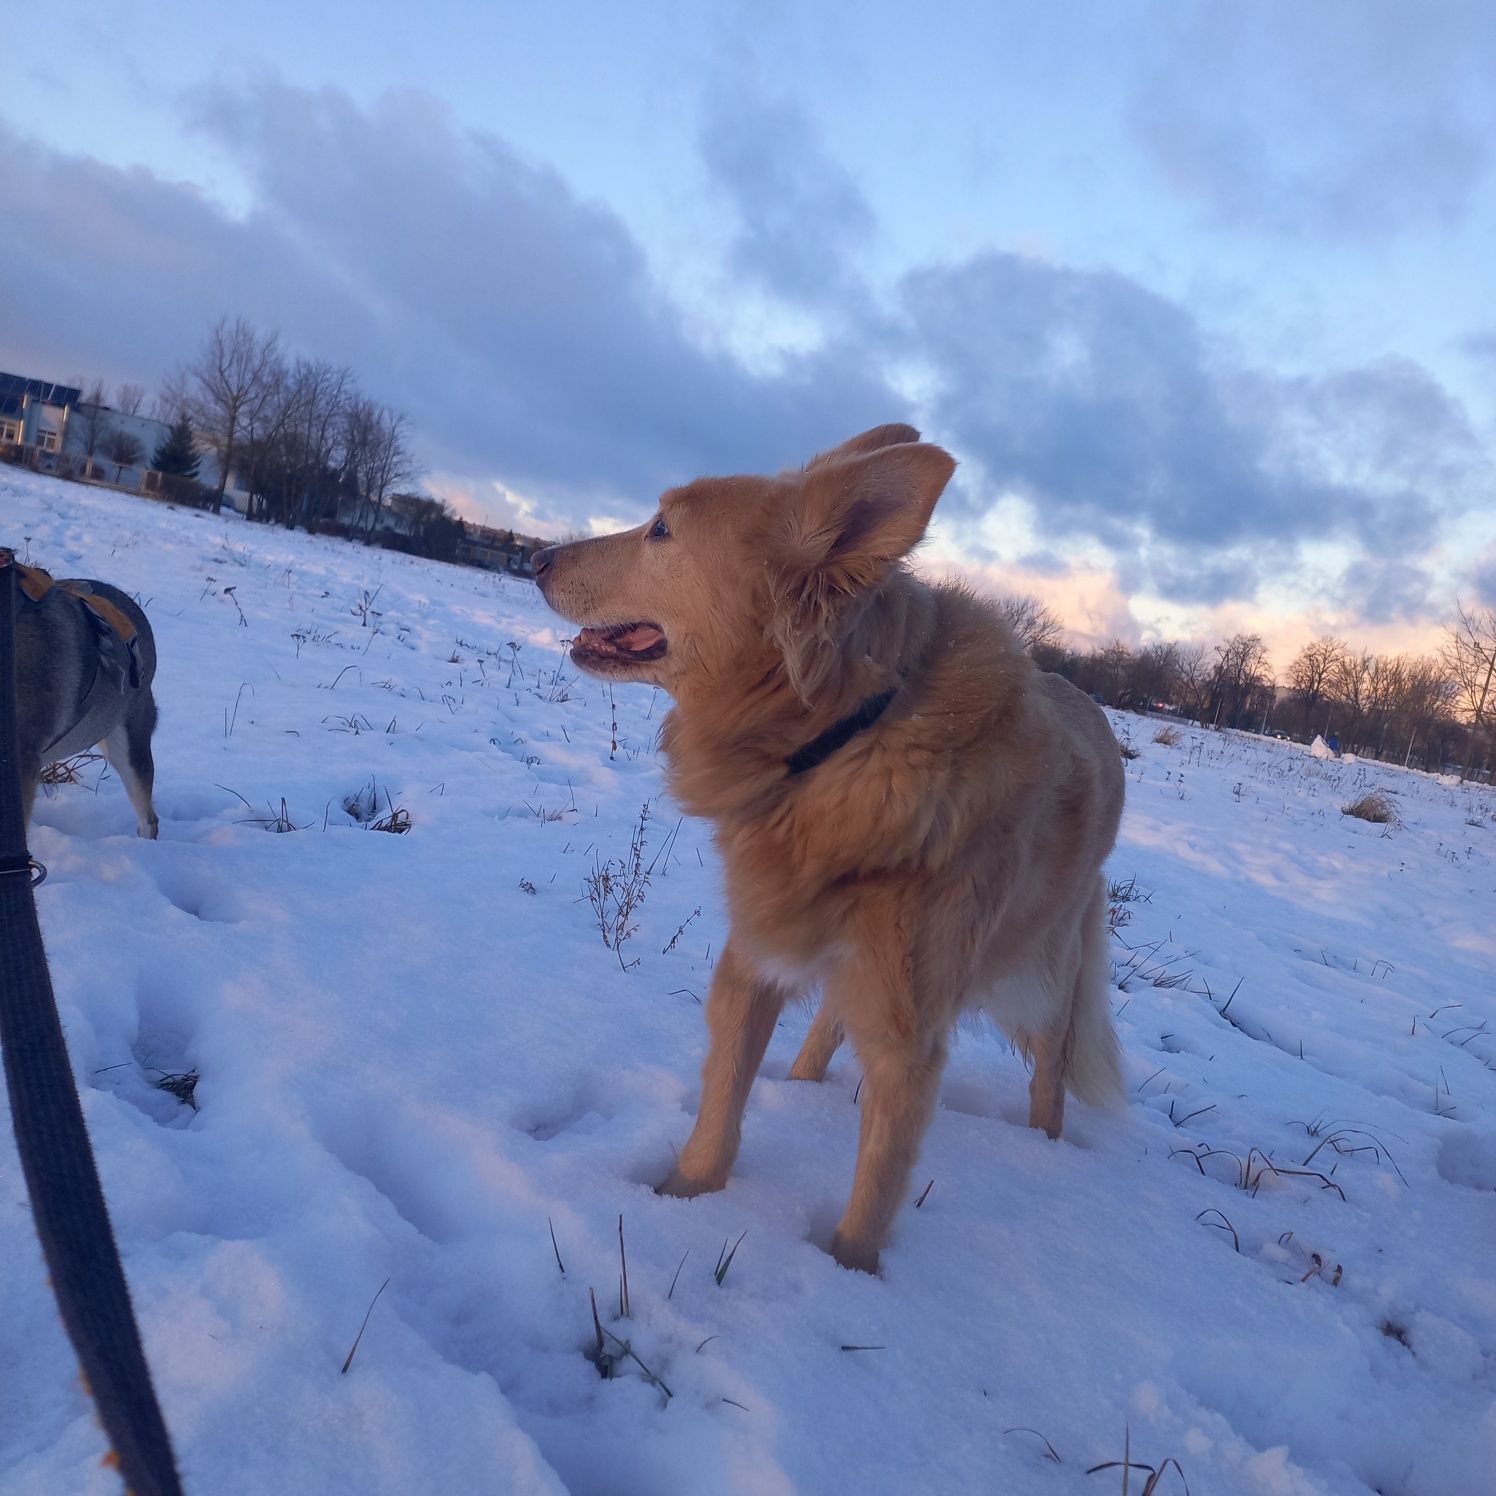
x,y
176,454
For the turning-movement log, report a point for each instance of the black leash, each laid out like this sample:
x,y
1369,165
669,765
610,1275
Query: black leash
x,y
839,734
72,1221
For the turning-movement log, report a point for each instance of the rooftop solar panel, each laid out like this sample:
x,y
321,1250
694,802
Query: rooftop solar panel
x,y
44,390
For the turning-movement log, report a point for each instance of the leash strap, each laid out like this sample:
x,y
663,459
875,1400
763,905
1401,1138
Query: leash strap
x,y
67,1204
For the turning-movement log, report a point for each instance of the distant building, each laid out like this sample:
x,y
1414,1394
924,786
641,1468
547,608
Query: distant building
x,y
34,412
107,429
498,550
100,432
400,514
54,430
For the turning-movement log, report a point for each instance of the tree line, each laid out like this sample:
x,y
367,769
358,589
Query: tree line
x,y
1430,711
304,439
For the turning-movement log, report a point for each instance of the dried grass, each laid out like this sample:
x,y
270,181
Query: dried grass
x,y
1254,1168
1127,1465
1374,806
363,807
278,821
353,1350
179,1083
724,1260
615,889
67,770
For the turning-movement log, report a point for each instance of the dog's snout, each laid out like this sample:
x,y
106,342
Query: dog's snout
x,y
542,561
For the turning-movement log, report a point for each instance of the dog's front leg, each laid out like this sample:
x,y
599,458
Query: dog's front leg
x,y
902,1055
742,1009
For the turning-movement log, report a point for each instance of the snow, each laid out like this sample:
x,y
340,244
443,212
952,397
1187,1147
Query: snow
x,y
417,1058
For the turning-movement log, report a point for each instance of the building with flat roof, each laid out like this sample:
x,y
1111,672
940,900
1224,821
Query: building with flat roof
x,y
35,412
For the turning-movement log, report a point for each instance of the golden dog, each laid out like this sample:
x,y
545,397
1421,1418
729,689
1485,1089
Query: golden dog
x,y
911,815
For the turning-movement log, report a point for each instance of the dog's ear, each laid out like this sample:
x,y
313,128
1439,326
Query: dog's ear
x,y
853,518
843,527
896,434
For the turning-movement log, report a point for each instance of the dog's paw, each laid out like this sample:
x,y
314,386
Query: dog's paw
x,y
804,1069
857,1257
683,1187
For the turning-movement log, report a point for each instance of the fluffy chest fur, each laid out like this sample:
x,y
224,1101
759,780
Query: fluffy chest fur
x,y
927,811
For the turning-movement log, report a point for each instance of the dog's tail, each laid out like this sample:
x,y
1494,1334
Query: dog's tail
x,y
1093,1069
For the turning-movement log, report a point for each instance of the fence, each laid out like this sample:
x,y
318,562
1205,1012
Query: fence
x,y
123,476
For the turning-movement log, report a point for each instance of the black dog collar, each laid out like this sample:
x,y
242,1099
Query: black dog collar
x,y
839,734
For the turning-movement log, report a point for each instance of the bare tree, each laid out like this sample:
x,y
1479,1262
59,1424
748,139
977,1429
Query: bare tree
x,y
1035,625
360,435
1241,673
302,464
327,389
129,398
1426,700
1192,677
170,401
1154,676
224,380
1312,674
1385,684
273,406
1110,668
1351,687
388,461
122,449
92,417
1470,657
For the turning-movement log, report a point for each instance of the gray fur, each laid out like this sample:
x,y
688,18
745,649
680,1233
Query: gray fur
x,y
56,662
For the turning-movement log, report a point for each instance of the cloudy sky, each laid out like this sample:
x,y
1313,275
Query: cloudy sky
x,y
1203,296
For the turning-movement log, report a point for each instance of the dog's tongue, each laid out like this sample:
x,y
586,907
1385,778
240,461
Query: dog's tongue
x,y
639,638
629,638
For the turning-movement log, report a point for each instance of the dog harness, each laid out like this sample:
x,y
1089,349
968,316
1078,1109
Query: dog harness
x,y
116,658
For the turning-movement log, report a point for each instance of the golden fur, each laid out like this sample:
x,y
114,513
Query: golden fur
x,y
948,857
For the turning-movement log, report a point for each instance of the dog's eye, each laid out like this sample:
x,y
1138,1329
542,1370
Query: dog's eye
x,y
659,530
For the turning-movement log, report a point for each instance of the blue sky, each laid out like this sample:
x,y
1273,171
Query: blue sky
x,y
1201,294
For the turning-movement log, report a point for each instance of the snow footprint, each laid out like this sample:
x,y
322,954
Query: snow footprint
x,y
1468,1158
445,1177
205,896
161,1076
587,1112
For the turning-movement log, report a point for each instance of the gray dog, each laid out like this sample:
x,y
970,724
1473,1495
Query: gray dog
x,y
85,659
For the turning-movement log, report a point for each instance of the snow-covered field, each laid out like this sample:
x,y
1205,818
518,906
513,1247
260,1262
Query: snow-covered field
x,y
417,1059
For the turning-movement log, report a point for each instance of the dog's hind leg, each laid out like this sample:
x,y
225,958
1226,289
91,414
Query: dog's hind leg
x,y
741,1012
1081,1053
821,1043
1093,1066
1047,1087
128,749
